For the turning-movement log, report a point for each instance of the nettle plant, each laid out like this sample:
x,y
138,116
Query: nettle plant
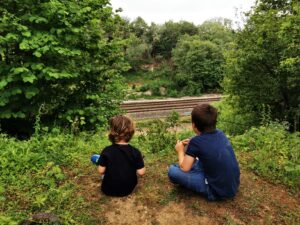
x,y
60,56
160,135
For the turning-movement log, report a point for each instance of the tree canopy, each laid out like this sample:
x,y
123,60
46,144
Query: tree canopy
x,y
198,65
263,69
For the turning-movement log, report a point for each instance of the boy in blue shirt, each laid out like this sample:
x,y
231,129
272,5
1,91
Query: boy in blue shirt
x,y
208,166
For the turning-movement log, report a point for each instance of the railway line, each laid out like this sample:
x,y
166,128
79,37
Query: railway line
x,y
143,109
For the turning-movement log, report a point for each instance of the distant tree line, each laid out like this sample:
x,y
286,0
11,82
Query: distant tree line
x,y
195,53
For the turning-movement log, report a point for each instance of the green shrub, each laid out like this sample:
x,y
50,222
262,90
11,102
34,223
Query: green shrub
x,y
231,120
35,175
263,66
63,55
198,65
272,152
158,136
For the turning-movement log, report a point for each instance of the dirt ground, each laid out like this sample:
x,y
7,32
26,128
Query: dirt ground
x,y
157,201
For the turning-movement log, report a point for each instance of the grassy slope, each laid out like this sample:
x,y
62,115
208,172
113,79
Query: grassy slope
x,y
157,201
78,200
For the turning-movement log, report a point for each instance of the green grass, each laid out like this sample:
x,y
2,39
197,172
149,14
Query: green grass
x,y
43,174
272,152
36,174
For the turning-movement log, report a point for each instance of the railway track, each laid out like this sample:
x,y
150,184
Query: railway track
x,y
142,109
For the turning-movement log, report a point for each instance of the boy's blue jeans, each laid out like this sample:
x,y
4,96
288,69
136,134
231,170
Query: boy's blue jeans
x,y
193,180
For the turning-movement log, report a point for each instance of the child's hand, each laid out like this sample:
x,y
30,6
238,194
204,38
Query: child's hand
x,y
179,146
185,141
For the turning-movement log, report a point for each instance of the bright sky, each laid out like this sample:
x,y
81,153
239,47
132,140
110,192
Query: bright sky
x,y
196,11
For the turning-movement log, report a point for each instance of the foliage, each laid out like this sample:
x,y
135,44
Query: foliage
x,y
168,35
271,152
158,136
155,87
64,55
264,66
156,81
198,65
218,31
231,120
35,175
139,27
137,52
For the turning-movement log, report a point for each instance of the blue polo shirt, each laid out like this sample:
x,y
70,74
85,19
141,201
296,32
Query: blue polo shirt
x,y
220,166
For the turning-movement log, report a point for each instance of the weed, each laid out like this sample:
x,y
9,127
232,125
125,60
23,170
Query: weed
x,y
158,137
272,152
168,197
197,209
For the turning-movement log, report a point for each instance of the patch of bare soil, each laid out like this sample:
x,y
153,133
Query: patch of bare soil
x,y
156,201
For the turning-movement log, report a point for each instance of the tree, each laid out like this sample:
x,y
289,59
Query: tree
x,y
197,64
218,31
169,34
60,60
137,52
139,27
263,69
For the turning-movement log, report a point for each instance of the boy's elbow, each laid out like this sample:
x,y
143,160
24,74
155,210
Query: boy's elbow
x,y
141,172
101,170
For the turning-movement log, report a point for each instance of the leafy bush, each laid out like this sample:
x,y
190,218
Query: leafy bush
x,y
157,81
198,65
158,136
263,67
137,52
62,56
231,120
35,175
271,151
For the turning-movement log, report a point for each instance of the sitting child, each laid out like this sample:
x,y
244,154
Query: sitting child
x,y
120,162
208,166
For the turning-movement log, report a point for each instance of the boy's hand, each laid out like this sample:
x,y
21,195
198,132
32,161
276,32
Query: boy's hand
x,y
185,141
179,146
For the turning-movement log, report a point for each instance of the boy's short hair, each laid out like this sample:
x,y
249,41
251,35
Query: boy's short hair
x,y
204,116
121,128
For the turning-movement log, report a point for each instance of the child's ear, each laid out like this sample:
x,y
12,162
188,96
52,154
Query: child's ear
x,y
193,125
195,128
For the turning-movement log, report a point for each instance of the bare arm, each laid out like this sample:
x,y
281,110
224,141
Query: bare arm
x,y
141,172
185,161
101,169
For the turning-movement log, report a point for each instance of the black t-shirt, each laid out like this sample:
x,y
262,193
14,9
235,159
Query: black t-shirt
x,y
121,162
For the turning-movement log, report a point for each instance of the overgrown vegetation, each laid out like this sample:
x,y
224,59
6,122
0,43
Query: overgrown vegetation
x,y
272,152
198,65
188,57
40,175
60,73
159,135
64,57
263,67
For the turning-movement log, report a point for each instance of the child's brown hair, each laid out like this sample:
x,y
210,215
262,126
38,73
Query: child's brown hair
x,y
121,128
204,116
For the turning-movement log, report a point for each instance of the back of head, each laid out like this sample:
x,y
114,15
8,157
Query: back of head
x,y
204,116
121,128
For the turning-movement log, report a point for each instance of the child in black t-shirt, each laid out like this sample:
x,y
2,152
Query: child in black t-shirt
x,y
120,162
